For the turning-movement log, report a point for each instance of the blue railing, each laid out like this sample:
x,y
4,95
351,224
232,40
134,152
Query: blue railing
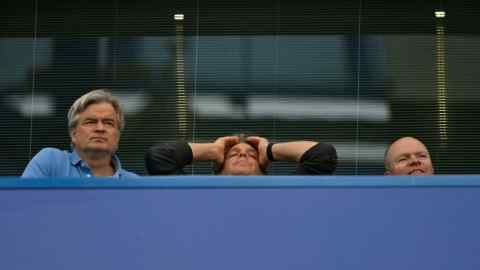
x,y
208,181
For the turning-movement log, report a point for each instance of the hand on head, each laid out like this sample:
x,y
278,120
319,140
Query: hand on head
x,y
236,155
260,144
223,145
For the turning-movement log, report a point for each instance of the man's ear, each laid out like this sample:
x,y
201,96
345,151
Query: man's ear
x,y
72,135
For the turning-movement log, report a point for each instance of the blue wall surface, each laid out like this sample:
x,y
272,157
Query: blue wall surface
x,y
208,222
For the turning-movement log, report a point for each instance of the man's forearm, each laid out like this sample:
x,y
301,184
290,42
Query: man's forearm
x,y
204,151
291,151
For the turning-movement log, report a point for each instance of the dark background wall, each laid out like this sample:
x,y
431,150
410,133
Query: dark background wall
x,y
356,73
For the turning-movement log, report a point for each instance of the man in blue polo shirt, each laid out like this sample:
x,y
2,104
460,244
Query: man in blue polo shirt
x,y
95,121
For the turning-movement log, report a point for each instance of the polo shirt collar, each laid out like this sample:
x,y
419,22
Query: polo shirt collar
x,y
75,160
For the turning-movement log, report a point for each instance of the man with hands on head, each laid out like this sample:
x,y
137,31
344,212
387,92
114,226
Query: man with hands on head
x,y
241,155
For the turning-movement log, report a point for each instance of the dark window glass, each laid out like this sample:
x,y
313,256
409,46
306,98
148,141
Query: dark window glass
x,y
355,73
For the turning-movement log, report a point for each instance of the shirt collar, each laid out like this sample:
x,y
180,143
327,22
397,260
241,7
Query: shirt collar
x,y
118,166
76,160
74,157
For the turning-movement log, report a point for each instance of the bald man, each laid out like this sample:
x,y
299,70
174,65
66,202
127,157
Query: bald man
x,y
408,156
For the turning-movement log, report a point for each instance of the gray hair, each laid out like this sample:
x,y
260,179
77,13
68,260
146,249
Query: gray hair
x,y
94,97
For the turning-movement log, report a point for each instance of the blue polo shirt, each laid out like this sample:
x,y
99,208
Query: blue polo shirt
x,y
52,162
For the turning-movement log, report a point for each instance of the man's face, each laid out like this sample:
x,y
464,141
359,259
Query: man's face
x,y
97,130
241,159
408,156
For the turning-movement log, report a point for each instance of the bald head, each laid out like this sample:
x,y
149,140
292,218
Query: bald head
x,y
408,156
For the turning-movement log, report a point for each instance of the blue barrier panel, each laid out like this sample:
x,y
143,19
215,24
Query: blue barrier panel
x,y
208,222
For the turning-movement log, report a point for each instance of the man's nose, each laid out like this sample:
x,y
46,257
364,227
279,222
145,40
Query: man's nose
x,y
242,153
415,161
100,126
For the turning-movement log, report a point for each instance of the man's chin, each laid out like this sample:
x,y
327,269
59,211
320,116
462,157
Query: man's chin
x,y
239,173
244,172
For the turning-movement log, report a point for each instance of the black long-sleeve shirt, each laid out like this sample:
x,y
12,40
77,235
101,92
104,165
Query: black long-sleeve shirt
x,y
171,158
